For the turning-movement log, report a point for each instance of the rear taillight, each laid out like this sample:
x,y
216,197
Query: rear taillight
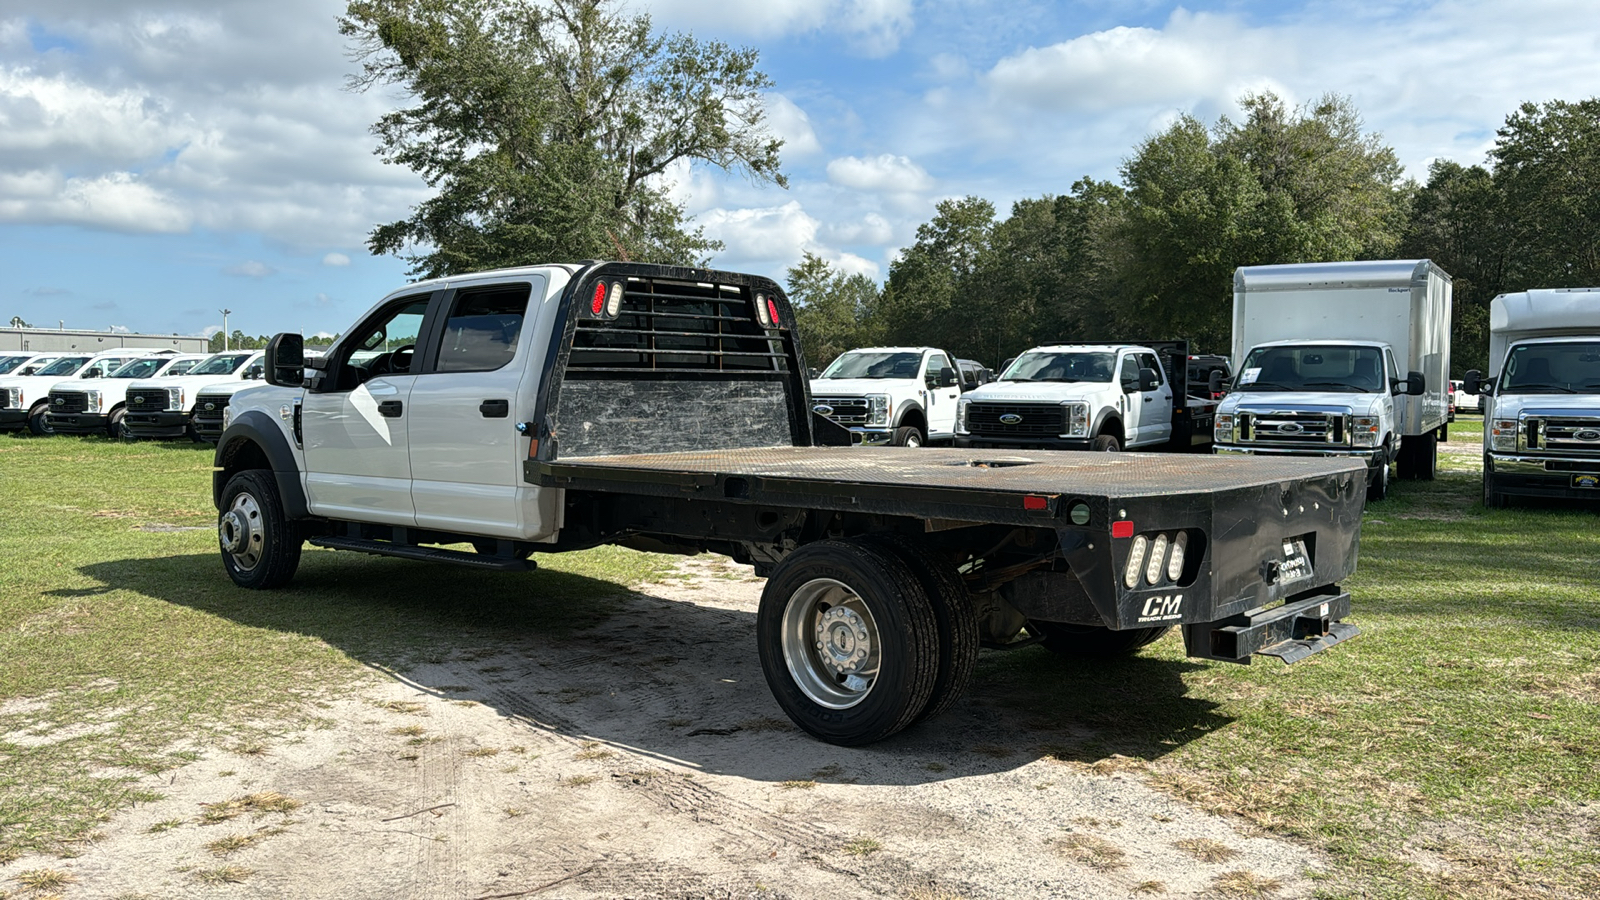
x,y
599,302
614,306
764,310
772,311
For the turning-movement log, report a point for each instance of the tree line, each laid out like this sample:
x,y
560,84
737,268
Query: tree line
x,y
1151,256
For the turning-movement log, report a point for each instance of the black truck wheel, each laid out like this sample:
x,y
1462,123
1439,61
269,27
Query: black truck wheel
x,y
1492,498
1094,640
1106,443
114,423
953,613
908,436
848,641
260,549
1378,487
38,421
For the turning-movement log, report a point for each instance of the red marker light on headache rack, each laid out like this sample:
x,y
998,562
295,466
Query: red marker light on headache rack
x,y
599,298
1123,529
772,311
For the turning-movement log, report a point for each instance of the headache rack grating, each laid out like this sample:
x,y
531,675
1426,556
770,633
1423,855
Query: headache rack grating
x,y
669,326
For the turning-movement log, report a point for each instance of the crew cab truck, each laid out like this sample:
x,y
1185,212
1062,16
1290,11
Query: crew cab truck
x,y
1089,397
561,407
164,407
25,400
1541,407
905,396
76,408
1320,349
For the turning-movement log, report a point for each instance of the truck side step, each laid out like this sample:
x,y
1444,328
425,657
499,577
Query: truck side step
x,y
412,551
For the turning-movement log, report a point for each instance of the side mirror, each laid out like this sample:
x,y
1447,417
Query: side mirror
x,y
93,373
285,360
1214,383
1415,384
947,377
1473,382
1149,380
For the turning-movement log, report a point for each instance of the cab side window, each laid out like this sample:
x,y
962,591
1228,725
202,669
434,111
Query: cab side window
x,y
1130,374
383,345
1149,361
483,327
1394,374
937,362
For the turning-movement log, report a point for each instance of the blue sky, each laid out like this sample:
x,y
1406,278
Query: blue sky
x,y
162,159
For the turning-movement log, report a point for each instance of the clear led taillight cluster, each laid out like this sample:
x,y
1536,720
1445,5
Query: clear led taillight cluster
x,y
1152,556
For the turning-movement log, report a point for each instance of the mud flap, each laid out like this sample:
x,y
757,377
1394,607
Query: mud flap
x,y
1291,632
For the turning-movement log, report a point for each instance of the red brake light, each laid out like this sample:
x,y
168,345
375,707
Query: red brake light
x,y
1033,501
1123,529
599,298
772,310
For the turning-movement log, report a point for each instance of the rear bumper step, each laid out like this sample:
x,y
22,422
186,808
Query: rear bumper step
x,y
1290,632
412,551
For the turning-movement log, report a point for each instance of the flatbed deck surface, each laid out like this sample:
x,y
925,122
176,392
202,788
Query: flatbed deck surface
x,y
1021,472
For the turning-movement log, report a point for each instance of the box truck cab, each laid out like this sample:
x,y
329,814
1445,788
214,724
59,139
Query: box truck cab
x,y
904,396
1541,404
1341,359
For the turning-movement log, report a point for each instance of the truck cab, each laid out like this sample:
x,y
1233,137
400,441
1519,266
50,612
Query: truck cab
x,y
1541,406
1072,397
162,407
905,396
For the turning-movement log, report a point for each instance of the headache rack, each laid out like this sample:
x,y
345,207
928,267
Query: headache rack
x,y
679,327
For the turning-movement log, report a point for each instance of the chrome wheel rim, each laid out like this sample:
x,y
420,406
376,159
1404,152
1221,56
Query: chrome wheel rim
x,y
239,532
831,643
914,440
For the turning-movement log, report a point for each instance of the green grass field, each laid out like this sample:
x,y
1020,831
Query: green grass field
x,y
1452,750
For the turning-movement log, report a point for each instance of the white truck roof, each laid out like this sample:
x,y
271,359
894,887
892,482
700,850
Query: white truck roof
x,y
1541,313
1334,275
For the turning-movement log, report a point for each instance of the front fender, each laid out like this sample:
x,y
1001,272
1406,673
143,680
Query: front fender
x,y
901,409
254,440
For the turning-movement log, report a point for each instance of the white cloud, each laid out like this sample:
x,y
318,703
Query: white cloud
x,y
871,229
871,27
791,123
886,173
336,259
250,268
851,264
116,201
771,234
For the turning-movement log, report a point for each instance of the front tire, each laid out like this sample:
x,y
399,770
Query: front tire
x,y
114,428
38,421
260,548
848,641
909,436
1106,443
1378,488
1094,640
1492,498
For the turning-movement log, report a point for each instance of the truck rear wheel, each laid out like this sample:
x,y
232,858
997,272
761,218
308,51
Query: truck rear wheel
x,y
260,549
848,641
953,613
1094,640
1419,457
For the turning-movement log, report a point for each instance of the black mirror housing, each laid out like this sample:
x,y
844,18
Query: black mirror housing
x,y
1149,380
285,360
947,377
1214,383
1416,385
1472,382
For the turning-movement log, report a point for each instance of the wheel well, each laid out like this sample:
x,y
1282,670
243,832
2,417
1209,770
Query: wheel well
x,y
243,454
1113,426
914,417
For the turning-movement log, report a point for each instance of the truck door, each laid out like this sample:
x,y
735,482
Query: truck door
x,y
941,400
1130,402
353,420
466,454
1155,419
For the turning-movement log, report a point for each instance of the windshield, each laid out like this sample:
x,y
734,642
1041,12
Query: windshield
x,y
221,364
1566,367
1062,365
181,367
7,363
66,365
874,364
1313,367
140,368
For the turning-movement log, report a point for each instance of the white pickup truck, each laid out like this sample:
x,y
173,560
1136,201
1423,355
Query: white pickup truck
x,y
25,400
1088,397
76,408
164,407
905,396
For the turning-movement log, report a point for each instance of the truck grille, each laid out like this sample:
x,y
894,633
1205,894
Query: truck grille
x,y
68,402
148,399
1568,434
846,410
5,398
1030,419
208,413
1291,427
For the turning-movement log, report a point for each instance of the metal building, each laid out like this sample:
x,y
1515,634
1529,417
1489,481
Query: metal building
x,y
38,339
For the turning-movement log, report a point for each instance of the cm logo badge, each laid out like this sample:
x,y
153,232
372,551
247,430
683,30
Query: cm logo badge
x,y
1160,609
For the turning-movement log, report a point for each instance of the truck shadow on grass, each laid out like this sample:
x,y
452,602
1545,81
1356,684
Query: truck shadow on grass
x,y
582,657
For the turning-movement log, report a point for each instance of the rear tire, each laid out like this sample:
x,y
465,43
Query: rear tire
x,y
954,614
1094,640
260,548
848,641
909,436
38,423
1105,443
1378,488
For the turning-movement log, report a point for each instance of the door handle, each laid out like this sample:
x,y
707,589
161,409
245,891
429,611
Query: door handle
x,y
390,409
495,409
1148,399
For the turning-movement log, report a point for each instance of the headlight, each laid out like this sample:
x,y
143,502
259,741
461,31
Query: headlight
x,y
1222,433
227,417
877,409
1075,417
1364,431
961,415
1503,435
175,398
93,401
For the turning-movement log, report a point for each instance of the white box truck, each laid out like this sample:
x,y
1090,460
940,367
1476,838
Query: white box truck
x,y
1341,359
1541,405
